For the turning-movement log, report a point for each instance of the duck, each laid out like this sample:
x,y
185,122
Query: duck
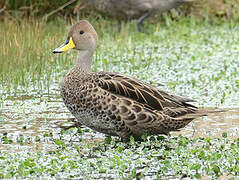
x,y
133,9
117,104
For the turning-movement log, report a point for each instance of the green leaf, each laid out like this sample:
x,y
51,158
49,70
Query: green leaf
x,y
216,169
197,175
224,134
132,140
37,139
60,143
29,162
108,140
102,170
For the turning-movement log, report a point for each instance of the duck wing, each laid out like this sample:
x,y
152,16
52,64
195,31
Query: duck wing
x,y
140,91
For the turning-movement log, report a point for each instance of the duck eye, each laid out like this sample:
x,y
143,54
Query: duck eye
x,y
81,32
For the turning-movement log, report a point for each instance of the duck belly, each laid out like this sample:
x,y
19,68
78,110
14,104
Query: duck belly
x,y
96,121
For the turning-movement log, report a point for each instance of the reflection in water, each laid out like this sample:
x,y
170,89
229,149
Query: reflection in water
x,y
32,116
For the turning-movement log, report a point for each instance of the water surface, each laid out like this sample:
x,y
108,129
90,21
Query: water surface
x,y
32,116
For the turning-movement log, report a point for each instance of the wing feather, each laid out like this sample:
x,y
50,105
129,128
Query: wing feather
x,y
140,91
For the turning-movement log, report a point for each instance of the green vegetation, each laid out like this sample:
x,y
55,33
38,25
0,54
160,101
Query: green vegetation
x,y
157,157
190,56
188,52
25,55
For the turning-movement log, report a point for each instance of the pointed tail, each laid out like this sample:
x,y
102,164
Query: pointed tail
x,y
202,112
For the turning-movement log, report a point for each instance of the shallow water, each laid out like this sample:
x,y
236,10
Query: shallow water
x,y
198,62
32,116
214,125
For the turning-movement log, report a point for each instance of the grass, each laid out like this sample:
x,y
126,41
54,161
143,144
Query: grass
x,y
36,8
26,58
190,57
26,51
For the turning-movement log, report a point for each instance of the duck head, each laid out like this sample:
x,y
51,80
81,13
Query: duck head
x,y
82,36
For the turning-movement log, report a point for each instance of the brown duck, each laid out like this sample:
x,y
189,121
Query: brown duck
x,y
116,104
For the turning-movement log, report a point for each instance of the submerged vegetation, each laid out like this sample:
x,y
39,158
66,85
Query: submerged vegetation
x,y
192,56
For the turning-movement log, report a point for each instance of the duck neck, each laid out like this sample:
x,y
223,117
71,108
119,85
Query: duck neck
x,y
84,60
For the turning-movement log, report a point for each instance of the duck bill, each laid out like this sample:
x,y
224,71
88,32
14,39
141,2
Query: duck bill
x,y
68,44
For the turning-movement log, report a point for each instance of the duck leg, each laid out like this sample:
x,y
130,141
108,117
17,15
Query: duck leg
x,y
142,18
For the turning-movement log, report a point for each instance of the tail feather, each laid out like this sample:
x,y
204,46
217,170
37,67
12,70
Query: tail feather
x,y
201,112
176,123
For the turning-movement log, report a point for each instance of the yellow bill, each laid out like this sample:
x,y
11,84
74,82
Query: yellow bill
x,y
68,44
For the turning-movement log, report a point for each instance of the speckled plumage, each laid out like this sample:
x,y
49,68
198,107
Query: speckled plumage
x,y
115,104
